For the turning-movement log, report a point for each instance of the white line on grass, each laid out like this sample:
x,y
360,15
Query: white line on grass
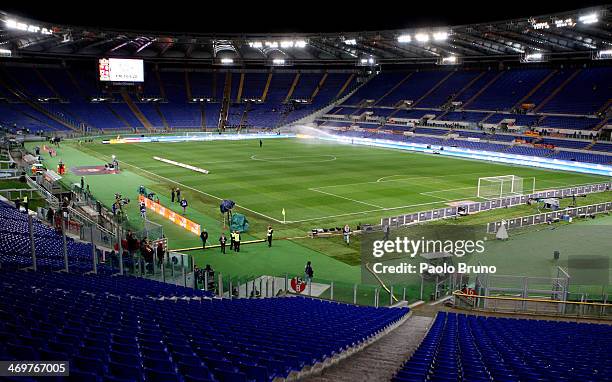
x,y
199,191
277,159
344,197
369,211
429,178
434,196
429,193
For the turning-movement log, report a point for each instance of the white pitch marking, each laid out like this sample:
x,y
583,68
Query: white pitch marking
x,y
429,178
343,197
366,212
429,193
437,197
201,192
183,165
385,177
278,159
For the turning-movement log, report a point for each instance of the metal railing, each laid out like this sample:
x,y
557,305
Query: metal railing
x,y
539,306
550,217
504,202
268,286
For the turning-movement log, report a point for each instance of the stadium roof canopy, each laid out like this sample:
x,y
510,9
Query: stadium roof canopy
x,y
583,33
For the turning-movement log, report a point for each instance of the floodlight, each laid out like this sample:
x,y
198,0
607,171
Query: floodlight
x,y
449,60
286,44
366,61
421,37
534,57
227,61
591,18
5,53
255,44
404,38
440,36
300,44
569,22
278,61
542,25
350,41
603,55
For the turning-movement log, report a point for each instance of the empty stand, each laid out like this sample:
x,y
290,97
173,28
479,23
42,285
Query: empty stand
x,y
475,348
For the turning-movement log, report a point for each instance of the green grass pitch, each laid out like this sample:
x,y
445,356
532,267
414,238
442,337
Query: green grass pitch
x,y
318,185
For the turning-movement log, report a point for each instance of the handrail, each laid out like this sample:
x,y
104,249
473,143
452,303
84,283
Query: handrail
x,y
367,266
528,299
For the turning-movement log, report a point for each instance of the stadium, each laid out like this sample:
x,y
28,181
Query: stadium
x,y
427,203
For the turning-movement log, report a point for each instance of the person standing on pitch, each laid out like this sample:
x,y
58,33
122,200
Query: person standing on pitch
x,y
308,272
143,211
204,237
347,234
172,194
269,235
237,242
184,205
178,195
222,241
260,143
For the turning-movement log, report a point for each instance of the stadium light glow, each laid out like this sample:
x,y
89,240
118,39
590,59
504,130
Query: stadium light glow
x,y
591,18
421,37
404,38
6,53
448,60
227,61
287,44
605,54
271,44
278,61
367,61
350,41
542,25
569,22
300,44
14,24
440,36
533,57
256,44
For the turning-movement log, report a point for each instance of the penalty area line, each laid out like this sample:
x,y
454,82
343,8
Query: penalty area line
x,y
370,211
345,198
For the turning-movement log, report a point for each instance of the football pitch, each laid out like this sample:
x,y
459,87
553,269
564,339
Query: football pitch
x,y
318,183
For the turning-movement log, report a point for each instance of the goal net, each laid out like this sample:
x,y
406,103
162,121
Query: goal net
x,y
506,185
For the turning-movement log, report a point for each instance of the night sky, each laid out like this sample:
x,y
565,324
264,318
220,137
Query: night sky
x,y
287,16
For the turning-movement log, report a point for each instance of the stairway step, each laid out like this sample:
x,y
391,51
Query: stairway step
x,y
380,360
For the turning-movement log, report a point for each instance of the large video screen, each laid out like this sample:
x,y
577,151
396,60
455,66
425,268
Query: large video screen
x,y
121,70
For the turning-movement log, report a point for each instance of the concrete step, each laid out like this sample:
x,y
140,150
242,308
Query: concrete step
x,y
379,361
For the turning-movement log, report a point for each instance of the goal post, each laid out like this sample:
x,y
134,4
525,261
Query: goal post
x,y
492,187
